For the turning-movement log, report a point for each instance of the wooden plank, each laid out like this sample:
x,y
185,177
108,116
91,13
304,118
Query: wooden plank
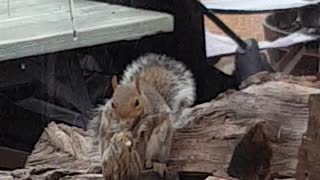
x,y
294,61
290,59
26,9
47,33
308,52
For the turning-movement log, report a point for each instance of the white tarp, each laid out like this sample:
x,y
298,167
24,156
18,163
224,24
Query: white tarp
x,y
256,5
217,45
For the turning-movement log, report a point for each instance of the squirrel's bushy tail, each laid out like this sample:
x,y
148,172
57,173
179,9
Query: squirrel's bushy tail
x,y
169,77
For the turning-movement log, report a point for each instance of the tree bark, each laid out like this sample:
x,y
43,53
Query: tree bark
x,y
254,133
309,158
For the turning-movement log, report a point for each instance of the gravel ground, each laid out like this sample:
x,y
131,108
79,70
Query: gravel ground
x,y
246,26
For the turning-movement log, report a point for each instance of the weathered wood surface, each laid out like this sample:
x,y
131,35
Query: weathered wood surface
x,y
39,27
250,134
215,127
309,157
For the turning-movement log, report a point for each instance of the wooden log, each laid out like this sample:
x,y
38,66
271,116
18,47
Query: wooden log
x,y
254,133
207,142
309,166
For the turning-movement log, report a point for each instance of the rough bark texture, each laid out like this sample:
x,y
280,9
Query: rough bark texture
x,y
254,133
309,155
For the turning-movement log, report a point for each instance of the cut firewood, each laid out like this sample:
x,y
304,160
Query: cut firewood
x,y
254,133
309,155
214,140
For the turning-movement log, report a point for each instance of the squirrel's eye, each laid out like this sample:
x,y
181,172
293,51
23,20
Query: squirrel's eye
x,y
136,103
112,105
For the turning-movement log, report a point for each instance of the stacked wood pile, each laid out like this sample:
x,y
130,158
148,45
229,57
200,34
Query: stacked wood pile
x,y
262,131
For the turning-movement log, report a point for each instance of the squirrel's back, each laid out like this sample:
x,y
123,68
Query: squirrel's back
x,y
169,77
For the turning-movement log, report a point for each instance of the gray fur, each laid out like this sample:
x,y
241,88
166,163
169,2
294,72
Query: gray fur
x,y
181,94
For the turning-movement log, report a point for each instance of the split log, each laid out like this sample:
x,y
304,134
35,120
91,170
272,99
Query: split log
x,y
214,141
254,133
309,155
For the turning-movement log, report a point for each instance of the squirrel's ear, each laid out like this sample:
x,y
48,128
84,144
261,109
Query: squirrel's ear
x,y
114,82
137,85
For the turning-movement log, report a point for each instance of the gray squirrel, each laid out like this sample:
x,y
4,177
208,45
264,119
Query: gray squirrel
x,y
147,78
151,85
